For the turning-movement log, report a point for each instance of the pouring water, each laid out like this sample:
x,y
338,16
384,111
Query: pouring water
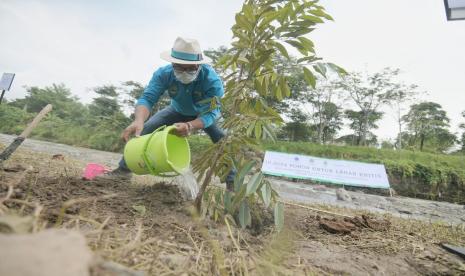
x,y
187,184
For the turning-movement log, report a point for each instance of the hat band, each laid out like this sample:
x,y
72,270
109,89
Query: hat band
x,y
186,56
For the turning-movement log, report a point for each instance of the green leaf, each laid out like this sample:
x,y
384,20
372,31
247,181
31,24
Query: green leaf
x,y
284,87
258,86
298,33
308,59
244,215
321,13
282,50
248,11
269,132
238,197
262,59
312,18
258,130
218,196
277,92
243,59
228,201
339,70
140,209
250,129
279,216
266,194
320,68
268,17
242,22
309,77
307,43
295,44
253,183
239,179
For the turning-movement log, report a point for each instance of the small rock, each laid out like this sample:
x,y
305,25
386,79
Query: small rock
x,y
58,157
343,195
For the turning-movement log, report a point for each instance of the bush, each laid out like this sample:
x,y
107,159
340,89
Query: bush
x,y
12,119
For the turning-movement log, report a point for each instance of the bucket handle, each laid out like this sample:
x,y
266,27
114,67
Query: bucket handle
x,y
148,162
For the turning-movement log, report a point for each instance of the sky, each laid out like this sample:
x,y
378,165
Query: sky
x,y
85,44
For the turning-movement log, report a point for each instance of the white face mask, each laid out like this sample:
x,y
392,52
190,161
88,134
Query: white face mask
x,y
186,76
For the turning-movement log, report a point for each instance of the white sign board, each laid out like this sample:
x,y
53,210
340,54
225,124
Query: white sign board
x,y
325,170
6,80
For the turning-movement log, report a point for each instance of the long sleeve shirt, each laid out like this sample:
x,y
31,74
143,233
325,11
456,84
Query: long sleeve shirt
x,y
193,99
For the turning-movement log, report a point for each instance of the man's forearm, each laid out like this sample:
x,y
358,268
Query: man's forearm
x,y
196,124
142,113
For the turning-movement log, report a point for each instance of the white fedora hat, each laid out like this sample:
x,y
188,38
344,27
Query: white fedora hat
x,y
185,51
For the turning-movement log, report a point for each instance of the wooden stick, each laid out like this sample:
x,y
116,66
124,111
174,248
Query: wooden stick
x,y
315,209
18,140
36,121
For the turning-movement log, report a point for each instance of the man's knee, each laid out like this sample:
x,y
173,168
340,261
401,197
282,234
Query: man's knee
x,y
215,133
165,116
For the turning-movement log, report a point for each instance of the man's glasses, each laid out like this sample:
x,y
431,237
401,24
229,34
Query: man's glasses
x,y
185,67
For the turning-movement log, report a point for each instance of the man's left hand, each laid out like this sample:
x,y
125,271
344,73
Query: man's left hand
x,y
182,129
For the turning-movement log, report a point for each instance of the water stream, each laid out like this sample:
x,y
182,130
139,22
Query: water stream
x,y
188,184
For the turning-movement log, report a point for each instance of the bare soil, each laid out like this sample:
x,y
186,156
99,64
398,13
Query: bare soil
x,y
147,226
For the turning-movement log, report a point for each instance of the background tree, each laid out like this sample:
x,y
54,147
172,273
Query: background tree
x,y
401,96
326,112
361,124
369,93
106,103
108,117
296,129
317,106
66,106
462,126
427,121
215,55
329,122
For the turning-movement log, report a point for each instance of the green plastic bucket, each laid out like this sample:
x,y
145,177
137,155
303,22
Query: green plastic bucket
x,y
161,153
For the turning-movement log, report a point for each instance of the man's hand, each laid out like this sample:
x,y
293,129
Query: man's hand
x,y
134,128
182,129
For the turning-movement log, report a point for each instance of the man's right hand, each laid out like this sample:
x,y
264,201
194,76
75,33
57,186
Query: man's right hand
x,y
134,128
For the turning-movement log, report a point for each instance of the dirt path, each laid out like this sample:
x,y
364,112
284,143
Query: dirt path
x,y
296,192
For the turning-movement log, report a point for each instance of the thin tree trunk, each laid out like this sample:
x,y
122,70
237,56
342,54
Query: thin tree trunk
x,y
422,140
399,120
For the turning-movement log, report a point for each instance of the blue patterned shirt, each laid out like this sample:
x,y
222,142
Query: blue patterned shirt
x,y
193,99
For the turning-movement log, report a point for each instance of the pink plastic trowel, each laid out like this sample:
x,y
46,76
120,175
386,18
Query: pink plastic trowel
x,y
93,170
